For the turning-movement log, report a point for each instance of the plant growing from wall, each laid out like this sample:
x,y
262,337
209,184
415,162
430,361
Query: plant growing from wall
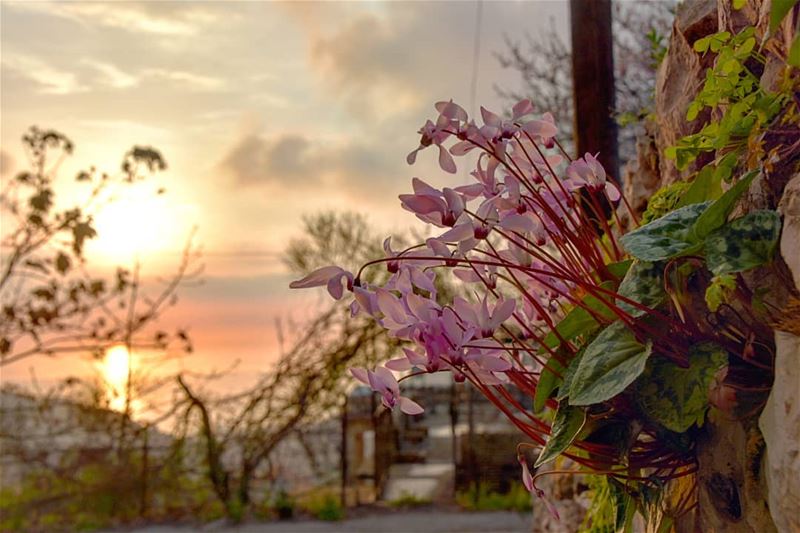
x,y
623,342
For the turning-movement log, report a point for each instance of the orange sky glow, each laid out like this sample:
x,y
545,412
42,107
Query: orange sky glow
x,y
264,111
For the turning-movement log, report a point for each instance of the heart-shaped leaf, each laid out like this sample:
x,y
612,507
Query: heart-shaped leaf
x,y
579,321
677,397
612,361
744,243
644,283
717,213
569,373
568,422
705,186
780,8
549,381
666,237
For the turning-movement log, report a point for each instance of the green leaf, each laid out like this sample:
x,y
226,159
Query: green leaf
x,y
666,237
569,374
644,283
676,397
624,506
701,45
548,382
794,52
717,213
738,4
780,8
744,243
619,268
719,291
579,321
567,424
705,186
611,362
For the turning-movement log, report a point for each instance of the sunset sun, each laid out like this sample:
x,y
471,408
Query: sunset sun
x,y
140,223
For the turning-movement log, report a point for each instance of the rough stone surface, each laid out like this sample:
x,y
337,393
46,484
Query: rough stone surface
x,y
731,494
780,420
740,488
789,207
640,177
679,78
567,494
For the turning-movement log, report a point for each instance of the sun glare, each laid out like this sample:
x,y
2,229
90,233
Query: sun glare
x,y
139,224
115,369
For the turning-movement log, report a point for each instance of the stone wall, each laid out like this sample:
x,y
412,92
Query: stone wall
x,y
747,483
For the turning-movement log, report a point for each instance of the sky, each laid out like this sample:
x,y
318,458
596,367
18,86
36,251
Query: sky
x,y
265,112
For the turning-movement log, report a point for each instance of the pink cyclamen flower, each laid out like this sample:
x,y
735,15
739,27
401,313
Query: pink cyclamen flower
x,y
450,117
382,381
441,208
479,316
590,172
332,276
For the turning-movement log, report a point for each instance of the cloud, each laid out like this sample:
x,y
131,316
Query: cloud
x,y
50,79
298,161
368,62
186,79
158,18
112,75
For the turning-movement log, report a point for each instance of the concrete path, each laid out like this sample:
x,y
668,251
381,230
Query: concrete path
x,y
427,481
417,521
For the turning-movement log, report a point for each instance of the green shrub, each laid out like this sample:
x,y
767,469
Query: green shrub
x,y
323,504
407,499
479,498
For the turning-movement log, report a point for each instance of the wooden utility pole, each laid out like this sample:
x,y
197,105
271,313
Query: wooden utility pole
x,y
593,81
343,458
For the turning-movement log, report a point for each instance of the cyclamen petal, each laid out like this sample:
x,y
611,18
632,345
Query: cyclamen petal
x,y
461,148
387,378
502,312
415,358
489,118
458,233
422,204
520,223
494,363
390,306
521,108
360,374
550,505
420,187
335,288
411,158
317,278
398,365
612,192
540,128
527,479
451,110
410,407
446,161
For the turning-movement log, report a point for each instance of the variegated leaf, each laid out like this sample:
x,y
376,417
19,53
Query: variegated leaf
x,y
568,422
569,373
744,243
549,381
677,397
667,237
644,283
612,361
